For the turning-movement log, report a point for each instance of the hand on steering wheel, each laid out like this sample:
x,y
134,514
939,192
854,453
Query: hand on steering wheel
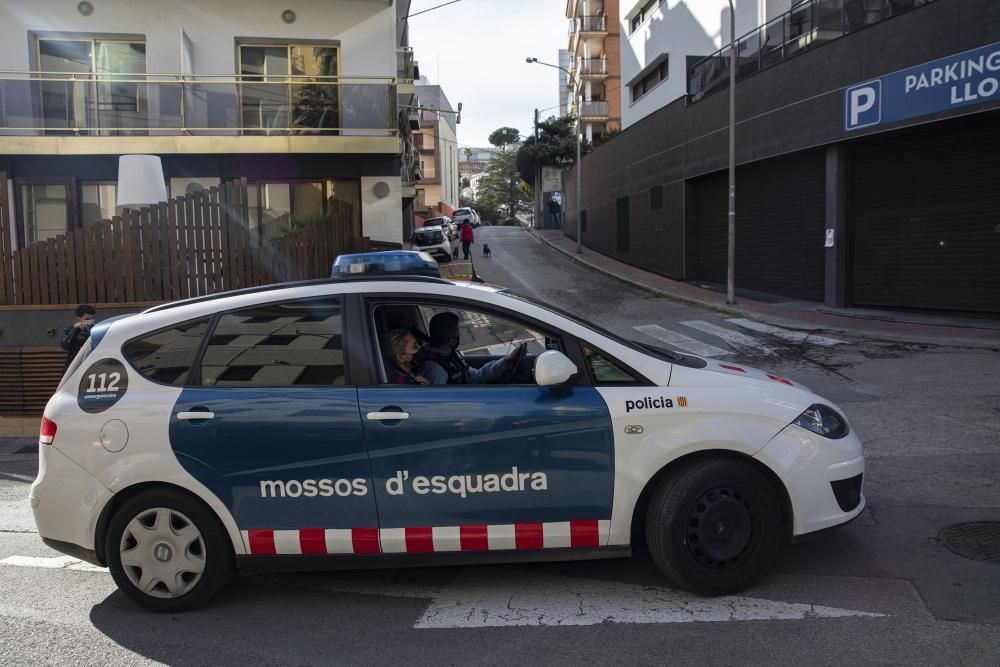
x,y
514,362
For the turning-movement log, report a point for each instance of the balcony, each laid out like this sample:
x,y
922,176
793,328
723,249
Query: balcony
x,y
117,113
593,67
807,25
594,109
407,72
592,24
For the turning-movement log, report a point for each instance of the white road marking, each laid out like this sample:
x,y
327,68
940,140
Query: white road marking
x,y
786,334
681,341
494,598
54,563
732,337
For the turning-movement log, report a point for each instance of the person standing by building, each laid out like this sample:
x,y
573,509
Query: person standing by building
x,y
76,334
467,238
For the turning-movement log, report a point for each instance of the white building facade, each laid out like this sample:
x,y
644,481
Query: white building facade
x,y
299,99
659,37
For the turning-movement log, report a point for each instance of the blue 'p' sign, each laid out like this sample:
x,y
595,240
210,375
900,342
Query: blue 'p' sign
x,y
863,105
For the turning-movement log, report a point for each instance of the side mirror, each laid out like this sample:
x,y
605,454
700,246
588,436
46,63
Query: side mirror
x,y
552,367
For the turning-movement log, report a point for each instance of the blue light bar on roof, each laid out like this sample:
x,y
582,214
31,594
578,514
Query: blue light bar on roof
x,y
386,263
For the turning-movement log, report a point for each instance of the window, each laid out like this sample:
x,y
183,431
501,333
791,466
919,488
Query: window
x,y
97,202
45,208
278,208
166,356
307,104
651,79
95,102
296,343
483,336
646,11
656,198
605,371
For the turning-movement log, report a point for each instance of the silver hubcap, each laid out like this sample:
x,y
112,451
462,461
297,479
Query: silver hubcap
x,y
162,553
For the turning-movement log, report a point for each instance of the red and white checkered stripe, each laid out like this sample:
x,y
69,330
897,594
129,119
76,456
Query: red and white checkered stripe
x,y
430,539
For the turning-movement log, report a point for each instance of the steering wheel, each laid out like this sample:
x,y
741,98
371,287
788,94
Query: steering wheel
x,y
509,375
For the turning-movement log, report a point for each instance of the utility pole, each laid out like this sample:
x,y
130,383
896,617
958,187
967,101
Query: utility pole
x,y
538,214
731,273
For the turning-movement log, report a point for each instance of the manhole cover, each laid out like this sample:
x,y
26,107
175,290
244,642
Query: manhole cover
x,y
979,540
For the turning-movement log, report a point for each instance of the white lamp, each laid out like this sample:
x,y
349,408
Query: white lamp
x,y
140,181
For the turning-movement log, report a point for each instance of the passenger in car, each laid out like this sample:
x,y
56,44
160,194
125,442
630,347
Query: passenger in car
x,y
400,347
444,363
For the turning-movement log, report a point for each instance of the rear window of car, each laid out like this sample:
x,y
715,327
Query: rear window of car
x,y
428,236
166,356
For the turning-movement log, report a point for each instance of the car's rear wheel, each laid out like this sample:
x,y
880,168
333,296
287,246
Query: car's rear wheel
x,y
715,526
167,552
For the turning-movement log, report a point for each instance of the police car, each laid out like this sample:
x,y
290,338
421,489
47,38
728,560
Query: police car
x,y
258,431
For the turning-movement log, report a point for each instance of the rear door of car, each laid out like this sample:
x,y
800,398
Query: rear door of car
x,y
270,424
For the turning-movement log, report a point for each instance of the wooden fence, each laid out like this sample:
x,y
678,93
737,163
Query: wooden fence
x,y
193,245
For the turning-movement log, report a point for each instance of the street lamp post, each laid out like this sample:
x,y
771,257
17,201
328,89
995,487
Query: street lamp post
x,y
731,273
579,141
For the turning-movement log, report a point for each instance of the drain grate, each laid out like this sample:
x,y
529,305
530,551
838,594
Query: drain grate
x,y
979,540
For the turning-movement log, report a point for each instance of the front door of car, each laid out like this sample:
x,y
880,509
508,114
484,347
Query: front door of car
x,y
476,467
274,431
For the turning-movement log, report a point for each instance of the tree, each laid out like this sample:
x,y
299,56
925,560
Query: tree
x,y
555,147
468,154
503,137
501,194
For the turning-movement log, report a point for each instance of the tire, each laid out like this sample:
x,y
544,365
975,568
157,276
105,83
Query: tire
x,y
692,508
164,537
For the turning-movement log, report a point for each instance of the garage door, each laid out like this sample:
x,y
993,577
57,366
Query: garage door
x,y
927,218
779,226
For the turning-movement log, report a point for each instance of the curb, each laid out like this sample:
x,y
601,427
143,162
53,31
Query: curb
x,y
729,310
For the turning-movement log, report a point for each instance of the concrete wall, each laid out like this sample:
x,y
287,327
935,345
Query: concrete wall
x,y
366,30
794,106
680,28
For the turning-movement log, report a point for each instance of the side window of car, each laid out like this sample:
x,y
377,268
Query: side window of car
x,y
166,356
295,343
485,334
606,371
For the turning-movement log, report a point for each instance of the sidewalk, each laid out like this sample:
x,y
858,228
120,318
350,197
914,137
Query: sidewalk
x,y
913,327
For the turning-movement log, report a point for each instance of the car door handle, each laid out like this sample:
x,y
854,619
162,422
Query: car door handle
x,y
388,416
188,416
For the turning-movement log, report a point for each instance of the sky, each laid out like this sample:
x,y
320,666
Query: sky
x,y
475,50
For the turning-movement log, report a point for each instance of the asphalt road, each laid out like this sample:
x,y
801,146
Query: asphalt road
x,y
885,588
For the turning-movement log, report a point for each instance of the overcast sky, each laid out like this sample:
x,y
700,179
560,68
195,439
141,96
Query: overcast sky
x,y
475,50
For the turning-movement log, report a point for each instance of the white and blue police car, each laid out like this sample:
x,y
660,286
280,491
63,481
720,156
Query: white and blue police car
x,y
261,431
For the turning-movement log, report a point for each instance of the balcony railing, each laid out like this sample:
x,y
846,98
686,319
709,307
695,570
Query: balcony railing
x,y
807,25
66,104
406,66
592,24
593,66
593,109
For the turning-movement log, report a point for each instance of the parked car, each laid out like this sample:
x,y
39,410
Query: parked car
x,y
444,222
262,430
434,241
462,214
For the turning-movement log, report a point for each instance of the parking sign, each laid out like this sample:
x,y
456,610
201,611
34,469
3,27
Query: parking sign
x,y
863,105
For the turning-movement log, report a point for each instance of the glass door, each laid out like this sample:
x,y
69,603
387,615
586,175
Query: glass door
x,y
45,208
284,89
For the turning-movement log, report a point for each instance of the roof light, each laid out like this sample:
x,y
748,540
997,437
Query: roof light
x,y
387,263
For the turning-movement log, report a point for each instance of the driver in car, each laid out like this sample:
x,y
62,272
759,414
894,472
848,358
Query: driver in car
x,y
444,364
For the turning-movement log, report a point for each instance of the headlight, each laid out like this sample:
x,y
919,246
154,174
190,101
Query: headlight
x,y
823,420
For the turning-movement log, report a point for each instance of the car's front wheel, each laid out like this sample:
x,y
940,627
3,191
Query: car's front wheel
x,y
715,526
167,552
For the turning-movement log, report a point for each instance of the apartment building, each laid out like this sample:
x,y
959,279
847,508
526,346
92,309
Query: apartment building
x,y
437,146
595,65
866,140
662,39
299,99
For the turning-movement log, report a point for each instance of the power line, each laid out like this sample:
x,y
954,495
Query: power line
x,y
424,11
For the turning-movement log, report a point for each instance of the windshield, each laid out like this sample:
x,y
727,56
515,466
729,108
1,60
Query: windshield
x,y
652,350
461,211
428,236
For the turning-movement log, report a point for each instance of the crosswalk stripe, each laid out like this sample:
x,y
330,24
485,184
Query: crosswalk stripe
x,y
731,337
786,334
681,341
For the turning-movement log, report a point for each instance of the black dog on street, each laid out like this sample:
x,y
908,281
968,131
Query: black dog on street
x,y
486,250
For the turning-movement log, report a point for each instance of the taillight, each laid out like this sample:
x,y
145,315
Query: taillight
x,y
47,434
